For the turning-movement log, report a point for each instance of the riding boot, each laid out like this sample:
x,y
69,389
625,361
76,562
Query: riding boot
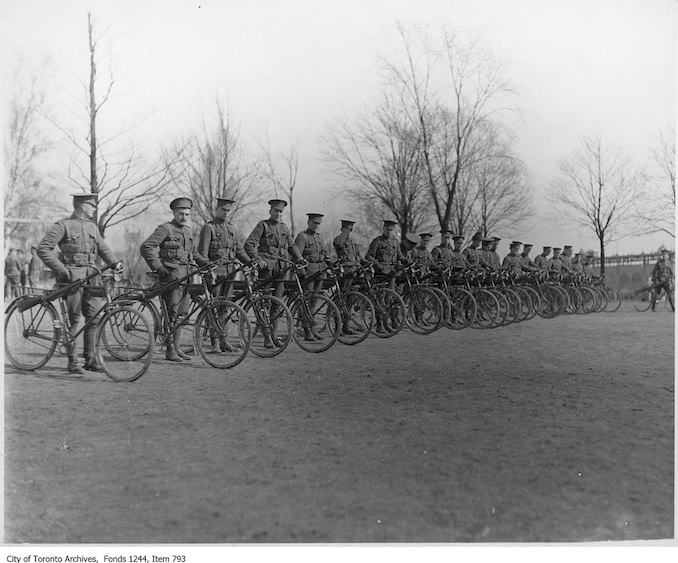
x,y
91,363
380,325
170,352
73,366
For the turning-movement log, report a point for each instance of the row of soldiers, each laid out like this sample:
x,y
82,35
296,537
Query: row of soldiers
x,y
172,248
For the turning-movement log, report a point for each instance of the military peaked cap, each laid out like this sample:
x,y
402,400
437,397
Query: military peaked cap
x,y
224,201
412,239
516,243
458,237
556,248
389,222
85,198
315,215
181,203
277,203
497,239
426,235
346,222
477,236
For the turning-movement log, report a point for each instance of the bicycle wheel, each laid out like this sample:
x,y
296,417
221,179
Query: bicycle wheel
x,y
124,344
145,308
613,300
463,308
222,334
357,317
642,299
504,308
271,322
424,310
317,323
31,335
531,297
390,312
589,301
488,312
447,306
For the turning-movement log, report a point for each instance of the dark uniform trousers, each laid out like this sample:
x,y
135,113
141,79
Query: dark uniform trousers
x,y
385,254
219,243
79,244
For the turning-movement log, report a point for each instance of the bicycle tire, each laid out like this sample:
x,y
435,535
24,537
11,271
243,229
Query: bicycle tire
x,y
31,335
613,300
390,307
271,322
487,314
222,334
324,323
424,310
642,299
131,334
358,315
463,308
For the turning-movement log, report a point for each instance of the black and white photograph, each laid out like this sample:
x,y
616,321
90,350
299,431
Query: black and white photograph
x,y
336,274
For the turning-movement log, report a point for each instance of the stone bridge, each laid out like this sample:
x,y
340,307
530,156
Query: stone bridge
x,y
629,272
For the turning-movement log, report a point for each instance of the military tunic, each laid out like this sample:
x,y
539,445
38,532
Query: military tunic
x,y
566,262
272,241
171,246
347,251
472,256
484,259
384,253
311,248
513,262
423,258
555,264
542,262
219,243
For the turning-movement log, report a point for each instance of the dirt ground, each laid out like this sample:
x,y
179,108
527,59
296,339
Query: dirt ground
x,y
550,430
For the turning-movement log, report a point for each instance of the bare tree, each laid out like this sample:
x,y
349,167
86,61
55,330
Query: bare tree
x,y
213,163
450,95
126,181
657,206
597,189
27,197
284,182
378,156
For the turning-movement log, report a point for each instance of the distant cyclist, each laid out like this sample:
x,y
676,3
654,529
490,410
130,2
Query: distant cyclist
x,y
662,279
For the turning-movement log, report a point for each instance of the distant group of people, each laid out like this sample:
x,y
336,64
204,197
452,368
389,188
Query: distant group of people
x,y
22,271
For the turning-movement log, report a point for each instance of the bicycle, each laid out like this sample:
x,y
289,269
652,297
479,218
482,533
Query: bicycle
x,y
356,309
34,328
645,297
390,310
316,319
221,331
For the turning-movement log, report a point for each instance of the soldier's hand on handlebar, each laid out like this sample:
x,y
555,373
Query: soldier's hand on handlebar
x,y
63,276
118,268
162,272
263,265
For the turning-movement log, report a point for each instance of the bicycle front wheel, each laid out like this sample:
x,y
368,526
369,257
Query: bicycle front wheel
x,y
222,333
271,323
124,344
357,317
613,300
31,335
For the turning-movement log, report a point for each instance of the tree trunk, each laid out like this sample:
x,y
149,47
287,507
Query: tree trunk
x,y
602,257
93,181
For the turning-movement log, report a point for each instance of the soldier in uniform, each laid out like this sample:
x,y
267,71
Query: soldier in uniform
x,y
587,264
662,278
270,244
494,255
472,252
442,254
384,252
169,252
422,255
12,275
485,259
577,266
34,269
542,261
408,245
513,261
79,243
555,264
457,256
311,248
566,258
347,252
219,242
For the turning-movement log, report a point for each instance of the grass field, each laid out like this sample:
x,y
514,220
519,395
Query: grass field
x,y
550,430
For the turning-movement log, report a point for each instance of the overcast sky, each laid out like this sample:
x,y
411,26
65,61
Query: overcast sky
x,y
292,66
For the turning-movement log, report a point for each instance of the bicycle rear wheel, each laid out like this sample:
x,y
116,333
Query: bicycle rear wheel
x,y
390,312
463,308
358,313
642,300
424,310
124,344
317,323
31,335
222,333
613,300
271,322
